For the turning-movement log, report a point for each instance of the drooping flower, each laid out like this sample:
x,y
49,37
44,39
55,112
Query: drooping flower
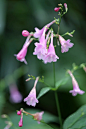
x,y
65,44
38,116
31,98
76,90
41,49
39,33
51,55
15,96
21,55
56,9
20,122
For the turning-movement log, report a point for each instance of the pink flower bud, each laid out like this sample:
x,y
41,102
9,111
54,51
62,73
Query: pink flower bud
x,y
19,113
21,122
65,5
25,33
56,9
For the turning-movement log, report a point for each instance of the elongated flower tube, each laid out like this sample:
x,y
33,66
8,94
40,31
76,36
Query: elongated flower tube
x,y
15,95
21,121
31,98
39,33
38,116
41,48
65,44
51,55
76,90
21,55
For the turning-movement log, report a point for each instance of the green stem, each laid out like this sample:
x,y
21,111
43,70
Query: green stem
x,y
58,109
56,98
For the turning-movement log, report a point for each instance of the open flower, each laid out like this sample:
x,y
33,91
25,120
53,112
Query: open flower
x,y
21,55
31,98
39,33
51,55
41,49
38,116
65,44
15,96
76,90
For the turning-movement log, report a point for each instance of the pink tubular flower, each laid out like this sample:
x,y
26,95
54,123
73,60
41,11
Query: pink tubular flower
x,y
25,33
21,55
39,33
65,5
21,122
51,55
15,96
76,90
41,49
31,98
56,9
65,44
38,116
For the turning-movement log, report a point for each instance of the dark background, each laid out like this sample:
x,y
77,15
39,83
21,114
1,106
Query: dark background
x,y
16,15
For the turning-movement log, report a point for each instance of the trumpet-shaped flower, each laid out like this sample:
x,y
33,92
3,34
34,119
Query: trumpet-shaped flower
x,y
65,44
38,116
51,55
15,96
76,90
39,33
31,98
21,55
41,49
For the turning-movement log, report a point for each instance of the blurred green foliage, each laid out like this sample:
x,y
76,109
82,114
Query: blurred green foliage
x,y
16,15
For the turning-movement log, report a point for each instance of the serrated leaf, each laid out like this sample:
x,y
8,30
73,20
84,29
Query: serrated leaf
x,y
43,91
61,82
77,120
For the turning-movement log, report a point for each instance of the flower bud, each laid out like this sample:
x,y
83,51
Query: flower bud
x,y
25,33
18,112
21,122
56,9
65,5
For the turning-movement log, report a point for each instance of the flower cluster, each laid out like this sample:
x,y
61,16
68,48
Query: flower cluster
x,y
44,47
44,50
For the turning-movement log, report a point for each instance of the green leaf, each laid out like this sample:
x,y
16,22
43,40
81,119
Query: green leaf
x,y
43,91
77,120
61,82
